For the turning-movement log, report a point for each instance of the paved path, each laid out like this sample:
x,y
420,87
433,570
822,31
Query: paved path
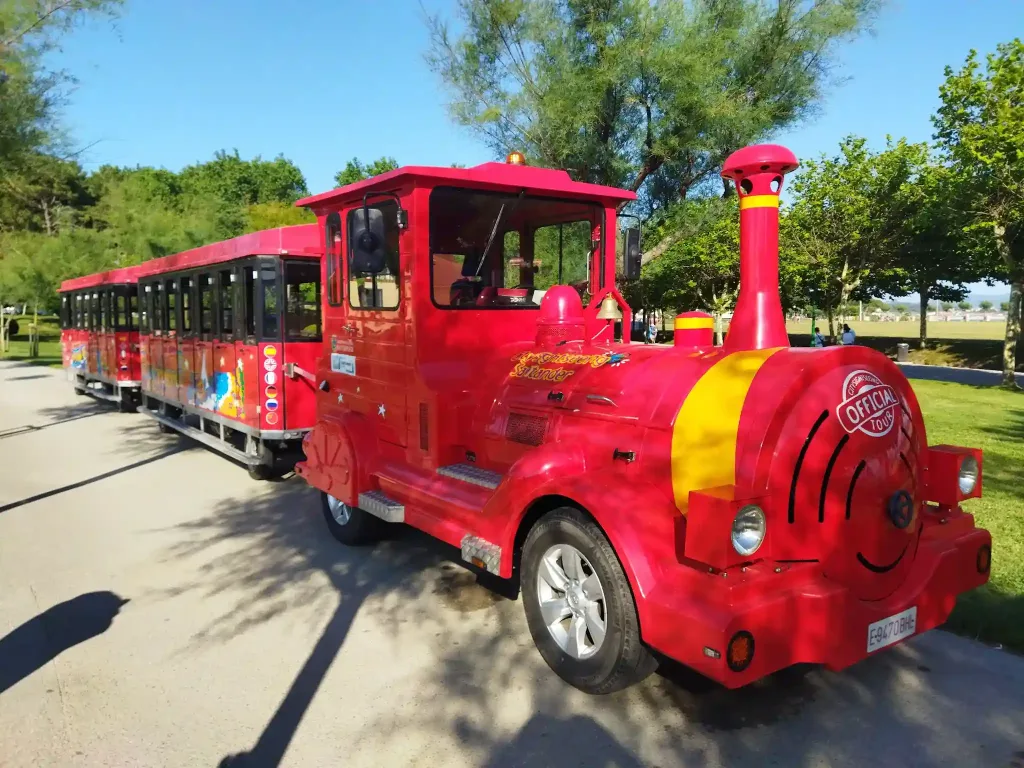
x,y
250,638
974,376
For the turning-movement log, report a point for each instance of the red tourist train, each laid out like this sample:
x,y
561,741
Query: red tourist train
x,y
225,338
739,509
100,337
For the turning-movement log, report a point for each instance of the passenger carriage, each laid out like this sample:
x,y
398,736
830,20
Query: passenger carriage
x,y
229,337
100,335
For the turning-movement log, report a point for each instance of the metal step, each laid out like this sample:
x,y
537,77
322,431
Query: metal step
x,y
379,505
481,553
203,437
470,473
100,393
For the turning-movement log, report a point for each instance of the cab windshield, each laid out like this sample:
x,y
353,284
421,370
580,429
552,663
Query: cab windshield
x,y
504,250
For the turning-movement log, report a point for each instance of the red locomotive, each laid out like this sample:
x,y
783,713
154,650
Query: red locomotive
x,y
100,335
739,508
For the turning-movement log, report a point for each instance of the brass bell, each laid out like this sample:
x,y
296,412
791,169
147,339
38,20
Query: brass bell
x,y
609,309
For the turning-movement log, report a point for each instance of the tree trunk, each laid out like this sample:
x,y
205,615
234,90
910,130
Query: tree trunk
x,y
1012,334
831,325
923,339
718,329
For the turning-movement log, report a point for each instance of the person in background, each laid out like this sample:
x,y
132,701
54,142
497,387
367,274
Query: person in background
x,y
849,337
652,332
817,340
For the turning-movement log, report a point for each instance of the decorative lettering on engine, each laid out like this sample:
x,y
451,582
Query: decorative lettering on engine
x,y
868,405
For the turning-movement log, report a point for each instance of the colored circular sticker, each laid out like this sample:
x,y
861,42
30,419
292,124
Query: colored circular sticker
x,y
271,418
270,350
271,405
271,392
270,364
271,378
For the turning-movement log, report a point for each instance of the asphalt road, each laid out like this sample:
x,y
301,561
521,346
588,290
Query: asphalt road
x,y
250,638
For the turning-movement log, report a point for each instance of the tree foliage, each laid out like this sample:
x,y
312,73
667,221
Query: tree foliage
x,y
648,96
355,171
980,128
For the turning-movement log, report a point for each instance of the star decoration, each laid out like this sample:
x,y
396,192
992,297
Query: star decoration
x,y
380,410
341,397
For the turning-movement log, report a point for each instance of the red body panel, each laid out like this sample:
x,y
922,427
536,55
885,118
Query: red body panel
x,y
661,445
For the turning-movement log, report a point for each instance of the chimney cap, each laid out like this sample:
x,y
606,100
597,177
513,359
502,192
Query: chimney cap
x,y
759,158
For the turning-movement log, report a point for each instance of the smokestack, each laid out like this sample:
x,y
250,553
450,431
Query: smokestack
x,y
758,321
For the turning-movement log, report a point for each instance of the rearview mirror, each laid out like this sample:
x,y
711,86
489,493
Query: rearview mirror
x,y
369,255
632,257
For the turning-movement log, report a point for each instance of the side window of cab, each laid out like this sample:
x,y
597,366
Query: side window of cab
x,y
373,257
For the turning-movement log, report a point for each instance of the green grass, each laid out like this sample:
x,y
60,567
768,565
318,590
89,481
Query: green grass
x,y
49,342
909,329
991,419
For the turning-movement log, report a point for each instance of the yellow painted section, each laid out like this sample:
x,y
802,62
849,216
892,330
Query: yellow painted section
x,y
706,427
691,323
759,201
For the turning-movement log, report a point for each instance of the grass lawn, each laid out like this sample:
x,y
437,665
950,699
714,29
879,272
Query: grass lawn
x,y
909,330
49,342
993,420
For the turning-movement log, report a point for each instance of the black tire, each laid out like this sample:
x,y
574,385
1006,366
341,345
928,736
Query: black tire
x,y
165,429
126,404
621,659
360,528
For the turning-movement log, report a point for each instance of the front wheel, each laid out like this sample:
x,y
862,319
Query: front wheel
x,y
579,605
350,525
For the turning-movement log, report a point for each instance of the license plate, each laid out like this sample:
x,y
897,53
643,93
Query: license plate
x,y
892,629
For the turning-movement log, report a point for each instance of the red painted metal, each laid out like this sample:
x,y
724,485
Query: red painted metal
x,y
758,321
548,401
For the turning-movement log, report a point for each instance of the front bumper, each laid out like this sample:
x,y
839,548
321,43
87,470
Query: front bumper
x,y
797,615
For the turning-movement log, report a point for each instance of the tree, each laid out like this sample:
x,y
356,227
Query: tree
x,y
980,128
947,305
648,96
1004,306
985,306
355,171
846,222
964,305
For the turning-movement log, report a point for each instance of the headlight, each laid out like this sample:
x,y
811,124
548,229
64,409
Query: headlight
x,y
968,475
748,530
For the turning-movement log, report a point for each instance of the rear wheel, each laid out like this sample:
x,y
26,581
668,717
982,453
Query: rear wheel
x,y
350,525
579,605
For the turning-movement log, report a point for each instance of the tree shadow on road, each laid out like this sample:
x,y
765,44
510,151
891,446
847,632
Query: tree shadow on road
x,y
488,699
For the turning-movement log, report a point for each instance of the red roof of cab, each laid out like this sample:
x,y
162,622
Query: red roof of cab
x,y
121,276
297,240
491,175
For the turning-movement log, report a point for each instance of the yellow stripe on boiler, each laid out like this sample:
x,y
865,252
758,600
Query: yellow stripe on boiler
x,y
759,201
706,427
693,323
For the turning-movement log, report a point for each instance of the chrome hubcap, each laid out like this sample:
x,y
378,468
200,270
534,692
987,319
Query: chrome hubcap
x,y
572,601
340,511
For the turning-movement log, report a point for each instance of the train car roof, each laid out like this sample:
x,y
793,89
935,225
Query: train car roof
x,y
296,240
121,276
496,176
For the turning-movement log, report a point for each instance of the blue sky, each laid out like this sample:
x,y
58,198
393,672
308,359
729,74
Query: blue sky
x,y
172,81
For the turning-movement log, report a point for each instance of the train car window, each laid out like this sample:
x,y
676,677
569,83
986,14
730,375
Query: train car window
x,y
95,322
158,307
376,291
205,282
76,308
170,305
104,323
249,299
540,242
270,309
133,308
65,311
226,304
185,284
120,310
333,238
145,299
302,301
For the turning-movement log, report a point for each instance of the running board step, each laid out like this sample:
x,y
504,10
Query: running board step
x,y
468,473
202,437
379,505
481,553
101,394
